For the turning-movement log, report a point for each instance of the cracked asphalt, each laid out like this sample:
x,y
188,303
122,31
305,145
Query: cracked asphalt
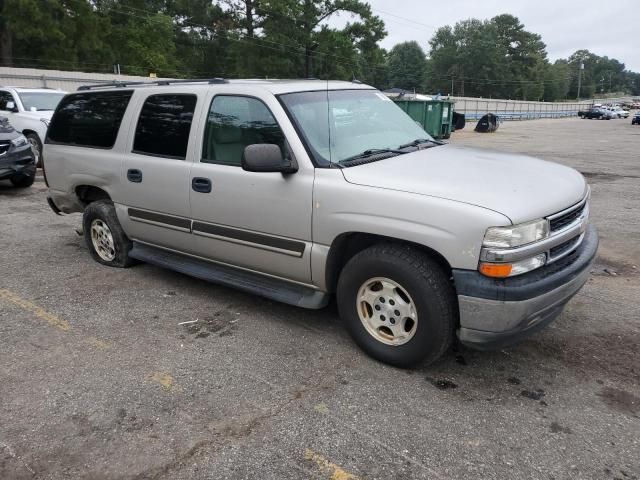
x,y
101,379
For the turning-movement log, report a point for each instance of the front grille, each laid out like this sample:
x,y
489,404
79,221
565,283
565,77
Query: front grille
x,y
4,147
564,248
558,223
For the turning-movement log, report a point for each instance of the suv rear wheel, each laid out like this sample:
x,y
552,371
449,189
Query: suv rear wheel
x,y
104,236
398,304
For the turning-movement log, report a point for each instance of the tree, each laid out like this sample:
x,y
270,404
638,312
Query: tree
x,y
470,58
557,79
407,66
294,38
293,23
141,37
48,33
525,57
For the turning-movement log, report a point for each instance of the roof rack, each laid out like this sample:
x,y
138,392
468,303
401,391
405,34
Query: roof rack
x,y
123,84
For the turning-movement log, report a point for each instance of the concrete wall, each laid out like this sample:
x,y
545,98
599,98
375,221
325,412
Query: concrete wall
x,y
68,81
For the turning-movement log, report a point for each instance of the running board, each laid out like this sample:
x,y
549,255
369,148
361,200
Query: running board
x,y
269,287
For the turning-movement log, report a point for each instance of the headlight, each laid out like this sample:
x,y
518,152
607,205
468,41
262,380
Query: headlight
x,y
20,141
45,121
516,235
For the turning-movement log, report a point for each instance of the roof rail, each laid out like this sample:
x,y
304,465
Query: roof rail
x,y
123,84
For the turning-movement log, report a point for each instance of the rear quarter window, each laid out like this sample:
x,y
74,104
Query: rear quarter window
x,y
89,119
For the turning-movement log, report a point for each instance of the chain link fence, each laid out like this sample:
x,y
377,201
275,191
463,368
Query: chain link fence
x,y
475,108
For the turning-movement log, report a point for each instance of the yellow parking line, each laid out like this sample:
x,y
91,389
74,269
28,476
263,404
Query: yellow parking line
x,y
328,467
39,312
164,379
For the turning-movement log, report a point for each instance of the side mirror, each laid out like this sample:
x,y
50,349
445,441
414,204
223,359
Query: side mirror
x,y
266,157
11,106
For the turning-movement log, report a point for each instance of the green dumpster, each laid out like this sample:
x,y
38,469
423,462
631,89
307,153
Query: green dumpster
x,y
435,116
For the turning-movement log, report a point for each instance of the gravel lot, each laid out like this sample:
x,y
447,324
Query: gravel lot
x,y
98,379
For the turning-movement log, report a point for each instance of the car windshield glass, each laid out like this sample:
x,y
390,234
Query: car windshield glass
x,y
40,100
342,124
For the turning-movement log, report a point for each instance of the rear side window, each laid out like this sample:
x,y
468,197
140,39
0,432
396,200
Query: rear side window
x,y
164,126
89,119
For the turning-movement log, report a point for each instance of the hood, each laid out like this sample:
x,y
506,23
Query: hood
x,y
38,115
520,187
7,132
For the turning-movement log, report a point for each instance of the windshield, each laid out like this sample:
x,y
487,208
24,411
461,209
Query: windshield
x,y
339,124
40,100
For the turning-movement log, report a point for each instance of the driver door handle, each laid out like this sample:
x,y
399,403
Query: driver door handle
x,y
201,184
134,175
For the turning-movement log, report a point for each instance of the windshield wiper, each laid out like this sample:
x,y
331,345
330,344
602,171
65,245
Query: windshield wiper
x,y
420,141
369,153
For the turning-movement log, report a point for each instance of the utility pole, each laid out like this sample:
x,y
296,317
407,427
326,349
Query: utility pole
x,y
452,81
580,78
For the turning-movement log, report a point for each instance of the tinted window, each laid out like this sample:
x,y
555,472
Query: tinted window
x,y
88,119
235,122
164,124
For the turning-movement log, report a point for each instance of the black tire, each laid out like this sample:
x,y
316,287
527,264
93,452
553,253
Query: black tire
x,y
103,211
37,144
427,285
23,181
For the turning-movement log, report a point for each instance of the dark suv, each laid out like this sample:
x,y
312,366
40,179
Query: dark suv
x,y
17,162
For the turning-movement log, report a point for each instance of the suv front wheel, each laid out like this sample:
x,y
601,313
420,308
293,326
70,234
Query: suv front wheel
x,y
104,236
398,304
23,181
36,146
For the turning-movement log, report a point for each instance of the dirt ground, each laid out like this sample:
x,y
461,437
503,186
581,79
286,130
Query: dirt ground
x,y
101,379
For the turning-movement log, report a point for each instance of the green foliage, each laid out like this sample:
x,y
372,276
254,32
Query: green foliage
x,y
293,39
499,58
407,66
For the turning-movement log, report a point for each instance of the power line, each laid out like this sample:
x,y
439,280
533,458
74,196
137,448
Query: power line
x,y
430,27
349,62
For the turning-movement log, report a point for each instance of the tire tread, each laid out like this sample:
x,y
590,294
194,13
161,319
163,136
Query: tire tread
x,y
423,265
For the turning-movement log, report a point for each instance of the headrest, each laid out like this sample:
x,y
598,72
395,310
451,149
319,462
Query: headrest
x,y
227,134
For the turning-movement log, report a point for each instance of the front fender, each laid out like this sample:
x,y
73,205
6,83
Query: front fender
x,y
454,230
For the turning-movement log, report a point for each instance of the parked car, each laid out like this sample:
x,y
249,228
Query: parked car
x,y
17,160
620,112
29,110
253,184
636,119
595,112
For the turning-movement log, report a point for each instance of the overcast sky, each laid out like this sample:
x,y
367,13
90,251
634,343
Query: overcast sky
x,y
604,27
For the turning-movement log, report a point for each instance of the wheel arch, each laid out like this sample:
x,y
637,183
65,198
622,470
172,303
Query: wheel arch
x,y
90,193
348,244
29,131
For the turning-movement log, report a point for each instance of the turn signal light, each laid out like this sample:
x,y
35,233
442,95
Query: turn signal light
x,y
503,270
496,270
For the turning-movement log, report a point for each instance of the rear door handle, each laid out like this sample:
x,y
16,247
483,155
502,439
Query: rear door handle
x,y
134,175
201,184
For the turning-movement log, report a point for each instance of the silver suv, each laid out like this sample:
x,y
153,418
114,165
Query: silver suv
x,y
298,190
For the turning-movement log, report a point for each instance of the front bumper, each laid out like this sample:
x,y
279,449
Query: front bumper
x,y
495,313
17,162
